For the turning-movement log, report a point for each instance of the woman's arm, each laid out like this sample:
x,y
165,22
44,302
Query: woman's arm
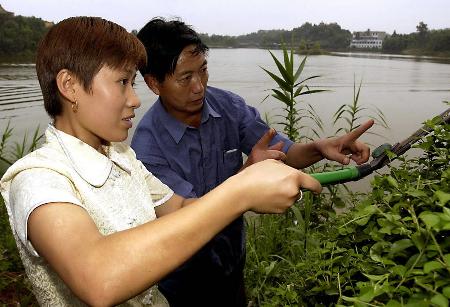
x,y
174,203
106,270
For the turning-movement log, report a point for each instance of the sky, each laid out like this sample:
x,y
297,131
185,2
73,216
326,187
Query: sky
x,y
237,17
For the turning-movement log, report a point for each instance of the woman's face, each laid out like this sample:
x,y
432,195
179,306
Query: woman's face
x,y
105,113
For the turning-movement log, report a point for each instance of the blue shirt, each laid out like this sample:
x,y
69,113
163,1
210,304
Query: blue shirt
x,y
193,161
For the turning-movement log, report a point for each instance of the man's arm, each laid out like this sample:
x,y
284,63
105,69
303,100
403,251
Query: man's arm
x,y
301,155
260,152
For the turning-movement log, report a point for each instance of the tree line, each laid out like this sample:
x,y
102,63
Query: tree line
x,y
423,41
20,35
329,36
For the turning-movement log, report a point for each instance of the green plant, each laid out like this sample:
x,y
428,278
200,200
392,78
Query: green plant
x,y
351,114
12,151
392,249
289,90
402,229
345,119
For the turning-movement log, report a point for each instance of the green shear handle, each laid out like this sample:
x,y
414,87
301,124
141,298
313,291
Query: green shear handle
x,y
333,177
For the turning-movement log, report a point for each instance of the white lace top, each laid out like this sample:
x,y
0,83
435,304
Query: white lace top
x,y
117,191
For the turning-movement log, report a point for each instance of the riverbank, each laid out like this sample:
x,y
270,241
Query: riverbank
x,y
23,58
442,57
393,56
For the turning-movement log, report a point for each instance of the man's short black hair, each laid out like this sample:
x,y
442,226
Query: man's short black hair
x,y
164,41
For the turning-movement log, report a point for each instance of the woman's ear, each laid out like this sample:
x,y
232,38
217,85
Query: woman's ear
x,y
66,84
152,83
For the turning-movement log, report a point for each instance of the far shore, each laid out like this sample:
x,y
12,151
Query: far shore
x,y
445,56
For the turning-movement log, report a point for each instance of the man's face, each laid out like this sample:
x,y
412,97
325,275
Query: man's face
x,y
183,92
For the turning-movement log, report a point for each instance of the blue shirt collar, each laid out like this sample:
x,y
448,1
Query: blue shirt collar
x,y
176,128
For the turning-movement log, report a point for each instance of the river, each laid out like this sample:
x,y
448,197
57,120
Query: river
x,y
408,90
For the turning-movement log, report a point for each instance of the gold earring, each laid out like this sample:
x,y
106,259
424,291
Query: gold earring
x,y
75,106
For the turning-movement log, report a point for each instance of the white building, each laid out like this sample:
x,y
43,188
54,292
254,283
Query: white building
x,y
368,39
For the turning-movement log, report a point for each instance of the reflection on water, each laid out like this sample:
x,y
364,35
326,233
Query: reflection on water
x,y
386,56
19,90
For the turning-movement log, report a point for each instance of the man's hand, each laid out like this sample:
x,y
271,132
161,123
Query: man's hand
x,y
338,149
261,151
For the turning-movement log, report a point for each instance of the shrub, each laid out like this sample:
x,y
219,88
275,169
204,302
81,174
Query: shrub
x,y
392,249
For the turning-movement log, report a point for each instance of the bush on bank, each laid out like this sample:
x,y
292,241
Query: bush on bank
x,y
390,249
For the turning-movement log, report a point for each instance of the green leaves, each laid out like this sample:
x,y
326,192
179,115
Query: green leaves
x,y
436,221
410,242
442,196
12,151
351,114
439,300
288,89
432,266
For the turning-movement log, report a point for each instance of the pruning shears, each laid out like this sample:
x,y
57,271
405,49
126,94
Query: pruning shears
x,y
379,158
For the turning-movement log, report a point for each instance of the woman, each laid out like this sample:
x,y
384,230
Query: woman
x,y
83,209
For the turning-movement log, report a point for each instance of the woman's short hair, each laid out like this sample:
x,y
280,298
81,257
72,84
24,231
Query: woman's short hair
x,y
83,45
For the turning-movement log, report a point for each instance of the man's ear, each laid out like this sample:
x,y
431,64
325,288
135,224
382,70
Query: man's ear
x,y
152,83
66,84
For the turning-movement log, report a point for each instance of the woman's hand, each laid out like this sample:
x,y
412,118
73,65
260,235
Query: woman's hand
x,y
271,186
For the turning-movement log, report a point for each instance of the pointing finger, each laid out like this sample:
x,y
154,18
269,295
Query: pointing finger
x,y
265,140
355,134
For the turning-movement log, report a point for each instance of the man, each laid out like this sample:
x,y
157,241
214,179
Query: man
x,y
193,138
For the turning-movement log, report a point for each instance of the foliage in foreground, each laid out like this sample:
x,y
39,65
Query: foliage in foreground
x,y
392,249
11,151
403,228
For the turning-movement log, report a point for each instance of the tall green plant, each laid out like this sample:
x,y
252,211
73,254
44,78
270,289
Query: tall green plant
x,y
352,114
300,121
290,88
268,235
12,151
345,119
291,259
